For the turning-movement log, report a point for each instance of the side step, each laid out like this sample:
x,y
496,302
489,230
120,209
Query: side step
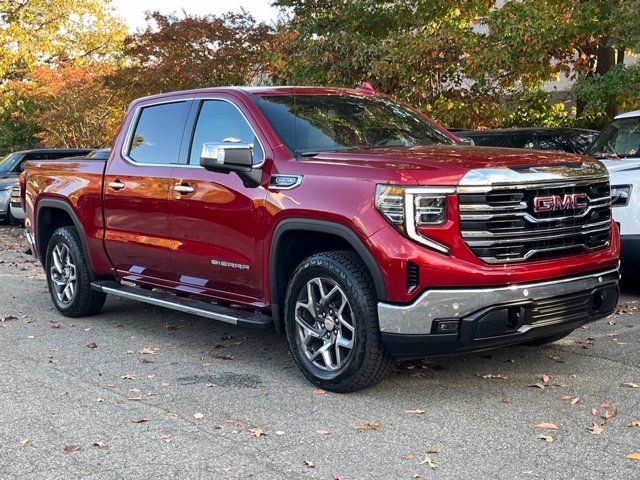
x,y
234,316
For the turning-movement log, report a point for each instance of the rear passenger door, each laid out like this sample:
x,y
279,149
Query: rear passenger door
x,y
137,188
216,222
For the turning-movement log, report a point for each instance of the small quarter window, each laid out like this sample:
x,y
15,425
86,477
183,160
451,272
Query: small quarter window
x,y
219,122
158,133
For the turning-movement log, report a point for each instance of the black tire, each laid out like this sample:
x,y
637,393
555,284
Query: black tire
x,y
13,220
85,300
368,362
546,340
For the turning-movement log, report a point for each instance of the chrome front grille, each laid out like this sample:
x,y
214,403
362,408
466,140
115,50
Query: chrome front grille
x,y
500,224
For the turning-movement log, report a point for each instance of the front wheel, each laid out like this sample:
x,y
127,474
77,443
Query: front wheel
x,y
332,323
69,277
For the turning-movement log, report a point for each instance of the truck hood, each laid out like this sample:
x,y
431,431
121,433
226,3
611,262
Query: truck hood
x,y
444,164
622,164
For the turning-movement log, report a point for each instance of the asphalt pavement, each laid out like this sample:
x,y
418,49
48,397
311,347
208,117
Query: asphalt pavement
x,y
144,392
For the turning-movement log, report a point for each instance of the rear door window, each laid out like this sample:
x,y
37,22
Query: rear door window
x,y
158,134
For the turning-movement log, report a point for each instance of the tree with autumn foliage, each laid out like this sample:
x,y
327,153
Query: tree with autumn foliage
x,y
469,63
178,53
72,106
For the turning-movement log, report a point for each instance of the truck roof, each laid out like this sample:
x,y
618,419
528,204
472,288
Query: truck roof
x,y
635,113
267,90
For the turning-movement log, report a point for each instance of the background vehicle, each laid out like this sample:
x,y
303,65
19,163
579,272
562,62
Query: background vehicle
x,y
356,226
618,147
12,165
571,140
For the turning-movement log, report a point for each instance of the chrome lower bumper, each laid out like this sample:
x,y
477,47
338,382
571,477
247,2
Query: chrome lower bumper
x,y
418,317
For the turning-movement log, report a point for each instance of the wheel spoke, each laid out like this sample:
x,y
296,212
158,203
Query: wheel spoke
x,y
56,259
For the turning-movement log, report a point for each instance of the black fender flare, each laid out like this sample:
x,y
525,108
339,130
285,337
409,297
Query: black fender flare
x,y
59,204
323,226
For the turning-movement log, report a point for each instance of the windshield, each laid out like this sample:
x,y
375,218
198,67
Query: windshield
x,y
8,162
620,139
309,124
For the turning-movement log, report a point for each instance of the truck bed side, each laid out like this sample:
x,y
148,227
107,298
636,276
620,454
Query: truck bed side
x,y
67,192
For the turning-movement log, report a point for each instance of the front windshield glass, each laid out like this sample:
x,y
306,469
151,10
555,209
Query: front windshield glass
x,y
8,162
309,124
620,139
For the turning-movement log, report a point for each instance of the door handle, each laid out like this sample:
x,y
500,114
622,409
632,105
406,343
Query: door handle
x,y
183,189
116,185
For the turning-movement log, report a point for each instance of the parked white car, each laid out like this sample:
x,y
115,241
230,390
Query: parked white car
x,y
618,146
16,213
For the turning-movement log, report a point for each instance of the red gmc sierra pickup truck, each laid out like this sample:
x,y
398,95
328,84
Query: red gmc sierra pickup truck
x,y
346,220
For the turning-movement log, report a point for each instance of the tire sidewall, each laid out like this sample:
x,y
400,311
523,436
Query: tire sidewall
x,y
332,270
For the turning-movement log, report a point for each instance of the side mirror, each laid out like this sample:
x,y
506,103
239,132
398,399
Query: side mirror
x,y
227,157
467,142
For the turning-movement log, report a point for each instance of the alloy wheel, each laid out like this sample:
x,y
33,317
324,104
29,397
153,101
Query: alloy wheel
x,y
325,324
63,274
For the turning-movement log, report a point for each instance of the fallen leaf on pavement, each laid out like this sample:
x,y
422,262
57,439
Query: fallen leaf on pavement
x,y
72,448
546,438
633,423
368,426
556,359
538,385
92,345
322,432
167,437
149,351
198,416
428,461
408,456
545,378
99,445
595,429
417,411
55,325
128,376
547,426
256,432
575,400
9,318
631,385
142,420
309,464
634,456
319,392
23,442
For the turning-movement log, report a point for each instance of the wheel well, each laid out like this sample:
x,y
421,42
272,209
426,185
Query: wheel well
x,y
49,220
292,247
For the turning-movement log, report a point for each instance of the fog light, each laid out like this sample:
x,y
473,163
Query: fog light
x,y
447,326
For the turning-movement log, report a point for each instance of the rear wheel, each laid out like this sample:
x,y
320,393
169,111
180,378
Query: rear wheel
x,y
332,323
69,277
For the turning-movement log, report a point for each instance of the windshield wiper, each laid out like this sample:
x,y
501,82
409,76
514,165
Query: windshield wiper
x,y
615,155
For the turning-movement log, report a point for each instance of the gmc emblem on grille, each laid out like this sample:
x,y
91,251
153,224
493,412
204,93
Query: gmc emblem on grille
x,y
553,203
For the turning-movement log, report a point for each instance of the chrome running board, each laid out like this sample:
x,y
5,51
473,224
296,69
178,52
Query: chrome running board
x,y
234,316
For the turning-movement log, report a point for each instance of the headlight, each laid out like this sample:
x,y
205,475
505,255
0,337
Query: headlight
x,y
620,195
407,208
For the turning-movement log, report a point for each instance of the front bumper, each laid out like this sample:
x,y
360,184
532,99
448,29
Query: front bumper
x,y
446,321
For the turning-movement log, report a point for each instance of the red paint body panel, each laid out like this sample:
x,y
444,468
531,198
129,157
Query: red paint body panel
x,y
173,238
